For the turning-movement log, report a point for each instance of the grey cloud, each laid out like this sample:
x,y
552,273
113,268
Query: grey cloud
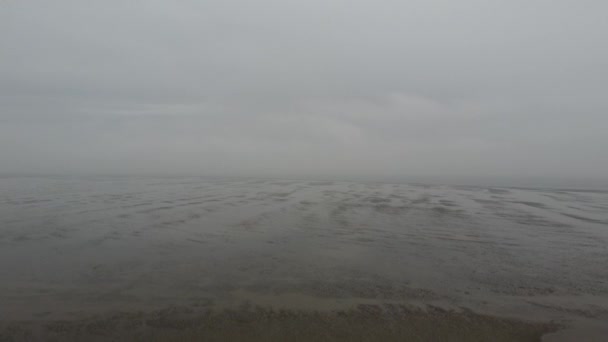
x,y
305,88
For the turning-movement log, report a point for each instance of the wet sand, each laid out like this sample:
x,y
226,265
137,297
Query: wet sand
x,y
364,323
260,257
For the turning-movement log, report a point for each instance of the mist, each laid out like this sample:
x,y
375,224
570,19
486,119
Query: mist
x,y
467,90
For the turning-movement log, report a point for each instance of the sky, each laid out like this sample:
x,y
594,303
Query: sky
x,y
469,89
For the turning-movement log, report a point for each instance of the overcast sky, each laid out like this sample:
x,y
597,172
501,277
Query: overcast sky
x,y
320,88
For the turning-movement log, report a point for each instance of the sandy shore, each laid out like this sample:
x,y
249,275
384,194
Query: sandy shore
x,y
93,252
364,323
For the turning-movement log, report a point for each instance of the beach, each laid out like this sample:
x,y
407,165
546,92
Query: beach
x,y
126,258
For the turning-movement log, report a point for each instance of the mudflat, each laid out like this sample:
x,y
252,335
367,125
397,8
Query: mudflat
x,y
364,323
128,258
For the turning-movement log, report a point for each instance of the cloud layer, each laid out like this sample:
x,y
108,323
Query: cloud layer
x,y
336,88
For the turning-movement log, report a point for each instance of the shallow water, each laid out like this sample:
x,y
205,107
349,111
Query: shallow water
x,y
76,246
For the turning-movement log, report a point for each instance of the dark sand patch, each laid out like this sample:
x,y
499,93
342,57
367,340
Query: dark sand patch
x,y
531,204
585,219
498,191
448,203
376,200
363,323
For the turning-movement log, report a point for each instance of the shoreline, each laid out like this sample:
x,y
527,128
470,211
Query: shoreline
x,y
363,322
